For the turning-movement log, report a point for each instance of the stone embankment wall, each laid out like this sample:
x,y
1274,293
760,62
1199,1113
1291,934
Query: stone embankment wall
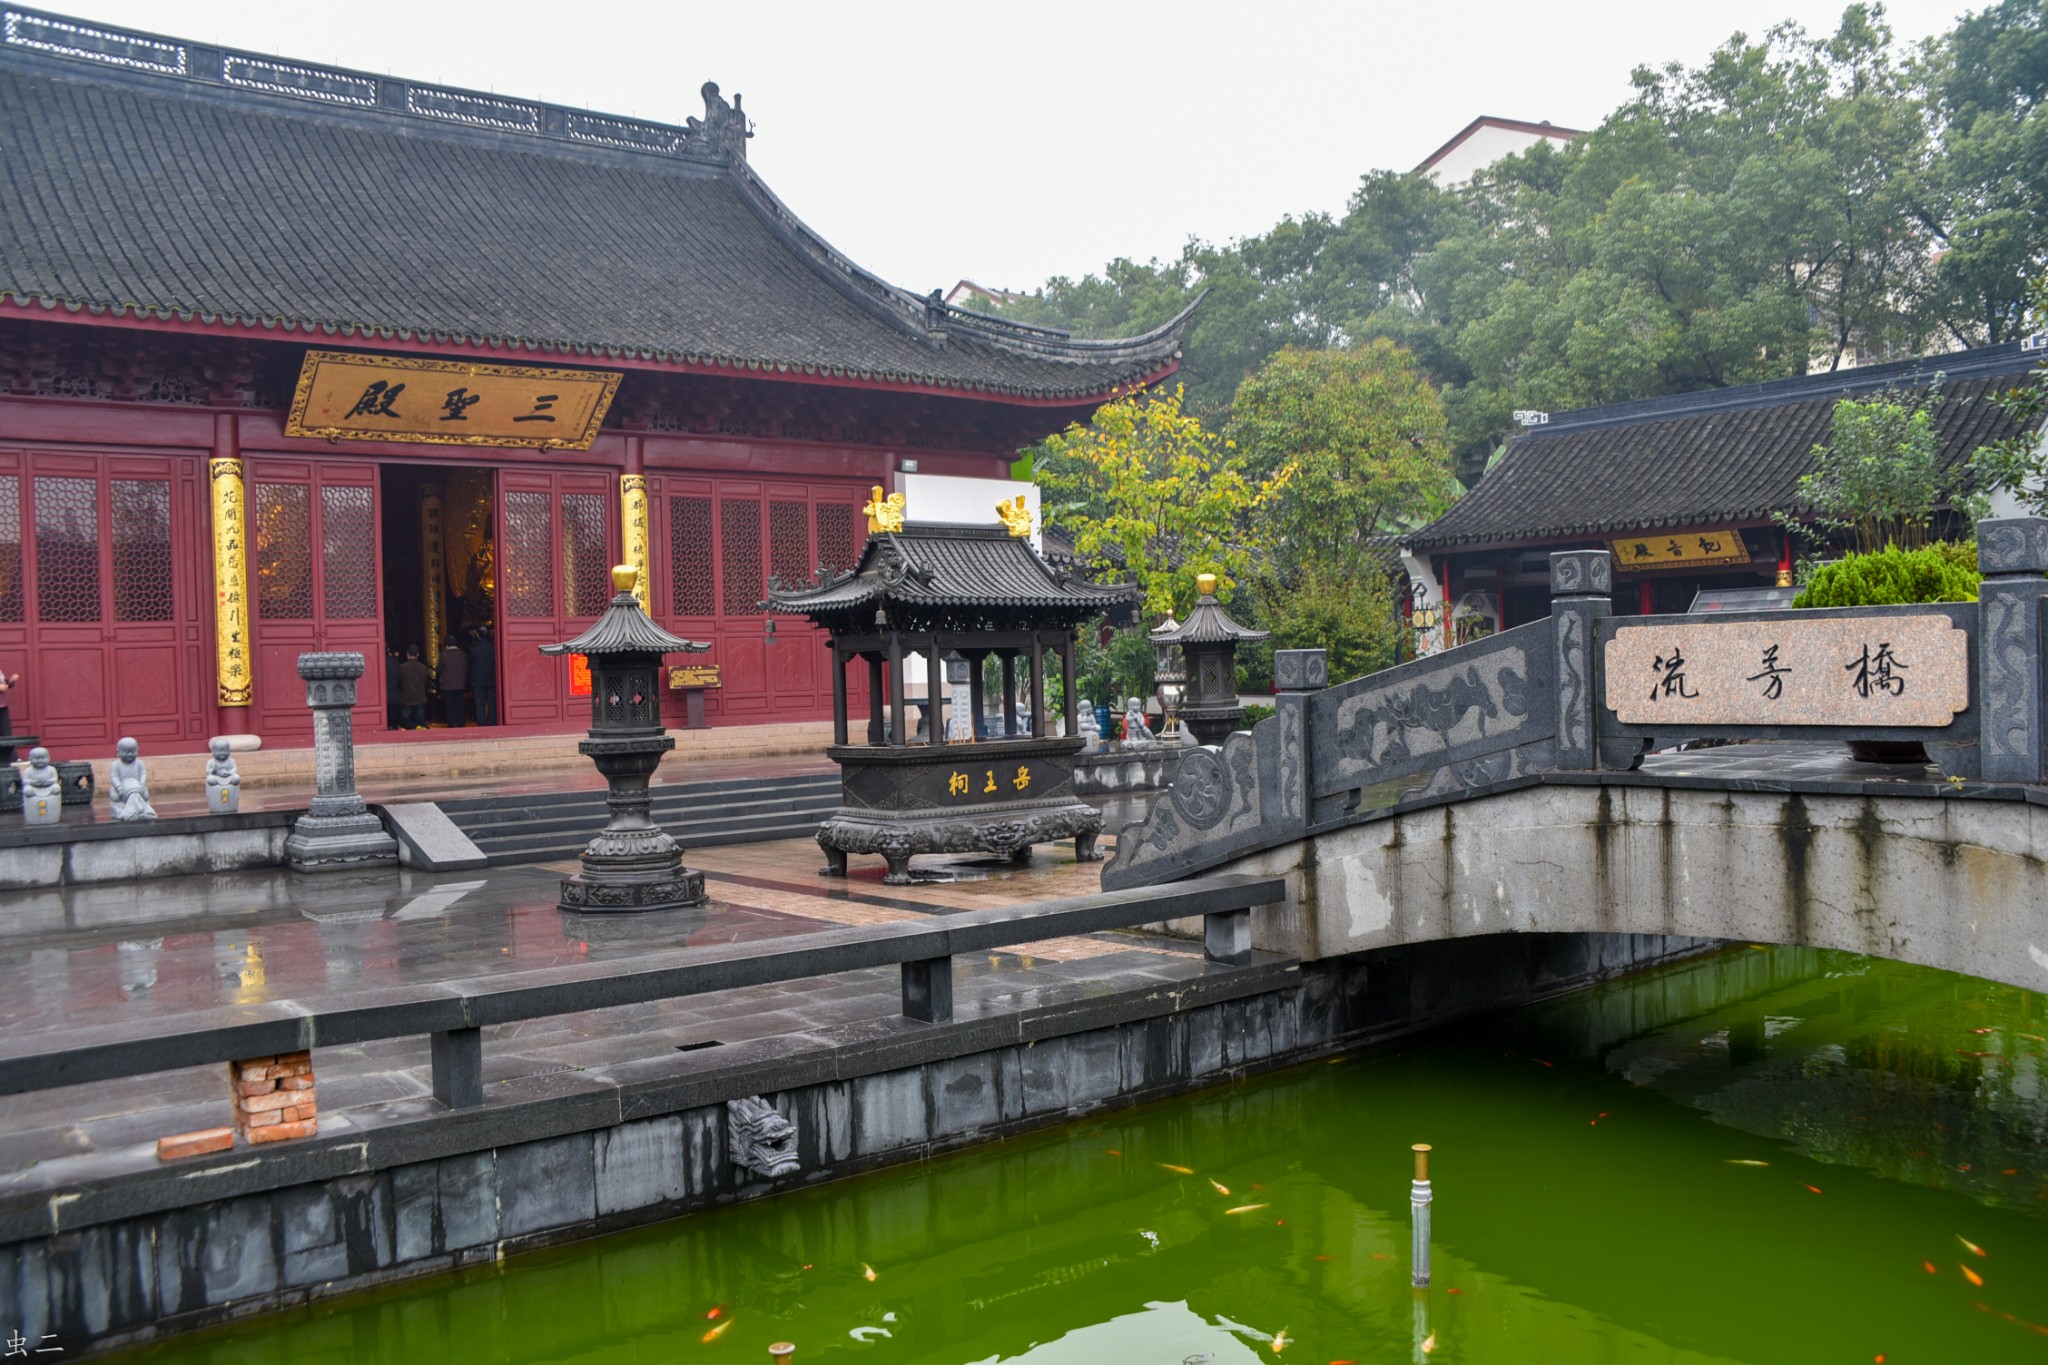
x,y
163,1248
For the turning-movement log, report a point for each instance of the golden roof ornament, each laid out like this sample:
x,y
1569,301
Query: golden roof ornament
x,y
884,513
1016,515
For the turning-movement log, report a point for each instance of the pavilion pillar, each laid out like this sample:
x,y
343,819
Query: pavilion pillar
x,y
1073,705
897,735
935,693
1037,686
874,663
633,520
233,659
1009,694
838,695
975,708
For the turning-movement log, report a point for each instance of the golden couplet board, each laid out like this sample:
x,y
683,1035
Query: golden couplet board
x,y
633,531
1680,549
433,597
694,675
347,397
1864,670
233,665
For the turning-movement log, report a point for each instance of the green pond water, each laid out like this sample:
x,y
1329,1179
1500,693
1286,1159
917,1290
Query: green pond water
x,y
1760,1156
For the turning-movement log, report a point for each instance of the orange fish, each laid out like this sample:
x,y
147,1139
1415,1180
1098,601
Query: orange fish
x,y
1111,1151
1972,1276
1429,1343
1382,1256
717,1332
868,1272
1983,1030
1929,1266
1540,1062
1454,1291
1739,1161
1326,1258
1248,1208
1814,1188
2010,1170
1980,1251
1279,1341
1177,1170
716,1311
1220,1188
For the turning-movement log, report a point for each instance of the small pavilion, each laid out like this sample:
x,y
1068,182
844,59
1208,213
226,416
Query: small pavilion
x,y
932,590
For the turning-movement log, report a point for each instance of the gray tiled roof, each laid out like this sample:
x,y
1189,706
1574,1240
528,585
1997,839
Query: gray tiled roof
x,y
624,628
148,177
1733,455
929,566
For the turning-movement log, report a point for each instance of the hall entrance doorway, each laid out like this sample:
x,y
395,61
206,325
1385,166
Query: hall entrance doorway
x,y
439,551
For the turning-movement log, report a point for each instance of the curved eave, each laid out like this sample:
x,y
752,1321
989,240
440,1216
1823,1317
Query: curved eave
x,y
410,340
1680,521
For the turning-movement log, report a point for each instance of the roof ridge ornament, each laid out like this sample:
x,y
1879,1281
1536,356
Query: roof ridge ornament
x,y
1015,514
724,129
884,513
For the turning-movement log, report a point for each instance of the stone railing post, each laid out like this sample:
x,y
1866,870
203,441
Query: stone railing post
x,y
338,832
2013,553
1296,674
1581,588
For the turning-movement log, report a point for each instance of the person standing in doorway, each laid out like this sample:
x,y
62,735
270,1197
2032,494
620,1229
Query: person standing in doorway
x,y
414,679
454,684
483,676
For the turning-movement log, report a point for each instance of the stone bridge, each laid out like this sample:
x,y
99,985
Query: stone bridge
x,y
1502,787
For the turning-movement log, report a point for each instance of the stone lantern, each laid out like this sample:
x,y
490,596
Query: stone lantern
x,y
1169,676
632,864
1208,642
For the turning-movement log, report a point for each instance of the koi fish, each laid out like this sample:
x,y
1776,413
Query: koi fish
x,y
1965,1052
717,1332
1177,1170
1972,1276
1111,1151
1540,1062
1280,1341
1980,1251
868,1272
1220,1188
1326,1258
2033,1037
716,1312
1814,1188
867,1334
1744,1161
1382,1256
1928,1266
1454,1291
1248,1208
1429,1343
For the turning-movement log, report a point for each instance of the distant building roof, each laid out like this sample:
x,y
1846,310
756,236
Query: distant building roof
x,y
966,291
1484,122
1720,456
155,181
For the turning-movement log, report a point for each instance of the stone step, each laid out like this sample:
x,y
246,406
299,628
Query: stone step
x,y
540,827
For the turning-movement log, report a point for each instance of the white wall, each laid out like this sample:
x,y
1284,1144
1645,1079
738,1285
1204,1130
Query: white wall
x,y
968,502
1481,150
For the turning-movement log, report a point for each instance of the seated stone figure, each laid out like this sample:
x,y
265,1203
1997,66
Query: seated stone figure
x,y
1089,730
42,793
223,782
128,784
1137,734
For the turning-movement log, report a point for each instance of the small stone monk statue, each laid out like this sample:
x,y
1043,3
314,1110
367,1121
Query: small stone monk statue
x,y
1089,730
128,784
223,783
1137,734
42,794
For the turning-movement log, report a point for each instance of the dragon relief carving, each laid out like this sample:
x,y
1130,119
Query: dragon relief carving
x,y
759,1138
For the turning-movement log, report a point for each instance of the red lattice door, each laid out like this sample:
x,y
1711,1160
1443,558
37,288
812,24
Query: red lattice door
x,y
554,579
715,543
314,584
102,610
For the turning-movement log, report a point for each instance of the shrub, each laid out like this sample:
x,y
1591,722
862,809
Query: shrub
x,y
1254,713
1941,572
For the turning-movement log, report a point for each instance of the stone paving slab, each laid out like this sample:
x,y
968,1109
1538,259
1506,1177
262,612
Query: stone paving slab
x,y
106,954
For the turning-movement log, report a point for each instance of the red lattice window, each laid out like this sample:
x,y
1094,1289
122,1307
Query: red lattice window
x,y
528,568
740,576
67,549
141,514
348,553
789,541
586,568
836,549
12,599
282,562
692,586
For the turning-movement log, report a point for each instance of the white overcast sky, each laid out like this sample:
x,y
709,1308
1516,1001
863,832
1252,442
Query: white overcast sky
x,y
931,140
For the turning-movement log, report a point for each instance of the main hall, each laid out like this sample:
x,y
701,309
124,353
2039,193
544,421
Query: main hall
x,y
295,358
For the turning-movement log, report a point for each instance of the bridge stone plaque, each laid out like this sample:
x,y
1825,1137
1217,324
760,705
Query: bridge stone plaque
x,y
1850,671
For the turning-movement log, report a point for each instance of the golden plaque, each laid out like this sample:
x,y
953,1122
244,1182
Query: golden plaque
x,y
1680,549
347,397
233,660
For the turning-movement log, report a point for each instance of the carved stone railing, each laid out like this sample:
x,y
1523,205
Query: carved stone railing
x,y
1584,690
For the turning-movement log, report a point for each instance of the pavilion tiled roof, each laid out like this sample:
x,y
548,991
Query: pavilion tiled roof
x,y
147,177
1728,456
928,566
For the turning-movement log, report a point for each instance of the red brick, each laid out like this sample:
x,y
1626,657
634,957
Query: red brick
x,y
295,1083
268,1116
299,1111
194,1144
276,1099
278,1132
255,1087
304,1059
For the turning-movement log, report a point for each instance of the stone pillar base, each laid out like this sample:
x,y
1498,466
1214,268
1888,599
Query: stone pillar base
x,y
339,843
586,895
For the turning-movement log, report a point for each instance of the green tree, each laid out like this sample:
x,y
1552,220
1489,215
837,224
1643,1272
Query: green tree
x,y
1880,476
2019,464
1354,444
1145,489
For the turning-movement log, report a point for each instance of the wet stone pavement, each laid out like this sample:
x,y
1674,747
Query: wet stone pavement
x,y
104,954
